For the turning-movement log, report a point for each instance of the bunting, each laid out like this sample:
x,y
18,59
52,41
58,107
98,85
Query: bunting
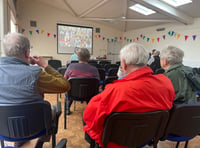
x,y
146,38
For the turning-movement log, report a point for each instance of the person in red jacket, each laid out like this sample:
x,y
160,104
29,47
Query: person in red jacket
x,y
138,91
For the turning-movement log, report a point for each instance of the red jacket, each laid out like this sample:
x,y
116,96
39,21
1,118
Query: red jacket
x,y
139,91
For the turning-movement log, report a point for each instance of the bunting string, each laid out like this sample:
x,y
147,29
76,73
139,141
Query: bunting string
x,y
143,37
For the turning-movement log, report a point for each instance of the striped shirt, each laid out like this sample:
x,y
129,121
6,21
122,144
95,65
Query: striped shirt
x,y
81,70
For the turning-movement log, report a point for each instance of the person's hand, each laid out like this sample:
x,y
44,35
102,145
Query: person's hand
x,y
38,60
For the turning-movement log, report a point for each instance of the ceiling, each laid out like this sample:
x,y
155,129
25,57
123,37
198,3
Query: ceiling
x,y
116,13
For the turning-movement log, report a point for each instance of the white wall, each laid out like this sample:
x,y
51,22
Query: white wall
x,y
190,47
46,18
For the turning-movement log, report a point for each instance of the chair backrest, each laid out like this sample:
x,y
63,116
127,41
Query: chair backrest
x,y
62,70
102,73
118,62
55,63
84,88
184,121
24,121
104,62
112,71
134,129
92,61
96,65
73,61
110,79
108,66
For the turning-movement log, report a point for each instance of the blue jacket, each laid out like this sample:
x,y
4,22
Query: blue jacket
x,y
18,82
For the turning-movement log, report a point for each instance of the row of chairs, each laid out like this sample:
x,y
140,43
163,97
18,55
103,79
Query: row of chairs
x,y
181,123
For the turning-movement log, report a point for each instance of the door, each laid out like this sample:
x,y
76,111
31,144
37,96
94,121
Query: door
x,y
113,51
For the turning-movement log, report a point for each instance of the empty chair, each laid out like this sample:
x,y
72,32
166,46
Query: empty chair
x,y
82,89
73,61
96,65
118,62
109,79
112,71
108,66
102,74
55,63
62,70
134,129
22,122
184,123
104,62
92,61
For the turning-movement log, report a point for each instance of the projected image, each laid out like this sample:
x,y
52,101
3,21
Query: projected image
x,y
70,37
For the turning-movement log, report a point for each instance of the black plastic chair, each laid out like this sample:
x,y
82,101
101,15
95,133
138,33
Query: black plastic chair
x,y
22,122
55,63
61,71
134,129
103,63
92,62
118,62
109,80
96,65
112,71
102,74
184,123
82,89
108,66
73,61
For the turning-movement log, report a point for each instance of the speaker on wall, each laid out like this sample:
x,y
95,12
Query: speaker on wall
x,y
97,30
33,23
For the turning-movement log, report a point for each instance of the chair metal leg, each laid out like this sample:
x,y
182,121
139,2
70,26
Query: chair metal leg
x,y
92,144
186,144
62,143
2,143
177,144
74,105
65,115
53,140
57,97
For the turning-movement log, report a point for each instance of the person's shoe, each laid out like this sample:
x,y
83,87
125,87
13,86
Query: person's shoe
x,y
68,112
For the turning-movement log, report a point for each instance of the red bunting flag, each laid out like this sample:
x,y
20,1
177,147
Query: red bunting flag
x,y
158,39
137,38
186,37
48,34
99,35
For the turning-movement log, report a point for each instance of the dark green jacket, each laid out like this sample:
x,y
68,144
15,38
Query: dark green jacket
x,y
182,87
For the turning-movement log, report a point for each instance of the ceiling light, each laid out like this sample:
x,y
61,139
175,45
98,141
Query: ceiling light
x,y
141,9
177,3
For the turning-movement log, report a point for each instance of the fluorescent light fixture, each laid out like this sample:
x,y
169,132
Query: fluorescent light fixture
x,y
141,9
177,3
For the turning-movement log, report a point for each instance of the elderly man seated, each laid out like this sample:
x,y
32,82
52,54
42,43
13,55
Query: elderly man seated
x,y
138,91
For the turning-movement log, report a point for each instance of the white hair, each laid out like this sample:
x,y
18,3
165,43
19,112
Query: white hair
x,y
134,54
15,45
172,54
